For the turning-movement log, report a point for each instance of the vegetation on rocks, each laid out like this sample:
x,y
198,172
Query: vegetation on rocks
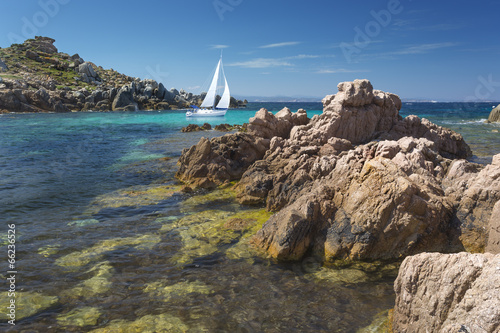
x,y
36,77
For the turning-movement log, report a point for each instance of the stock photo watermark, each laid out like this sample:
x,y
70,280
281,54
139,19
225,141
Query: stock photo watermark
x,y
11,273
223,6
364,36
31,26
156,74
485,89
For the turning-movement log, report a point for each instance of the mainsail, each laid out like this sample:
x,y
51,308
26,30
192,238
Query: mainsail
x,y
209,100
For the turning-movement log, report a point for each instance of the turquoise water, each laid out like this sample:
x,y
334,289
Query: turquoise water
x,y
105,237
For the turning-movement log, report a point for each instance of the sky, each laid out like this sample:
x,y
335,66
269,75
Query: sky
x,y
430,50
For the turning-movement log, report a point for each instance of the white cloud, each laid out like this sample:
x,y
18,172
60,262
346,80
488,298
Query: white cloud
x,y
279,45
261,63
424,48
219,46
304,56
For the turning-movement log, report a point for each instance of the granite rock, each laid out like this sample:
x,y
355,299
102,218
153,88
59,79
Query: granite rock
x,y
448,293
494,116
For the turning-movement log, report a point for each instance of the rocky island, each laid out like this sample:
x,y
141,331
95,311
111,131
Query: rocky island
x,y
36,77
359,182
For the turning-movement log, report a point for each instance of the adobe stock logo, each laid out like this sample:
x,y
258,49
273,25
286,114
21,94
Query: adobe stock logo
x,y
222,6
372,29
31,27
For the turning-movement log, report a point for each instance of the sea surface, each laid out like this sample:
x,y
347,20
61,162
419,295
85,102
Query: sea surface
x,y
105,240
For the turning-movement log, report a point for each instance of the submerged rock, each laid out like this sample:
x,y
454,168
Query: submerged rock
x,y
448,293
98,284
27,304
150,323
134,196
97,251
178,291
49,250
86,316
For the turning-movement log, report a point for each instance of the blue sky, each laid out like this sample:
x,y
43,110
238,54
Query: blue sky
x,y
437,50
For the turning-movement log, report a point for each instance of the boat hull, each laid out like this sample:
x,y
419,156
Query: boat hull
x,y
207,113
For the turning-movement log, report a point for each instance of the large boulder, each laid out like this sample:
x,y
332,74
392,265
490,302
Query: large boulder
x,y
124,100
473,190
44,44
493,245
448,293
358,206
494,116
267,125
356,113
3,66
220,160
87,71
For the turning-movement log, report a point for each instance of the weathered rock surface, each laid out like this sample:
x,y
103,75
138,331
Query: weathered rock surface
x,y
494,116
220,160
473,191
356,113
3,67
493,245
342,195
448,293
266,125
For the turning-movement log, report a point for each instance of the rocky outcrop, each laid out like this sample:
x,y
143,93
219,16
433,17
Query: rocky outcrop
x,y
266,125
3,67
493,245
220,160
124,100
356,113
71,78
377,201
196,128
472,190
88,73
358,182
44,44
494,116
448,293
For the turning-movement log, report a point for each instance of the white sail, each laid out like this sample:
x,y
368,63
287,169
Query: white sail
x,y
226,97
209,100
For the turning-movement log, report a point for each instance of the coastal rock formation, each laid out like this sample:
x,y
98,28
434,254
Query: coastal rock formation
x,y
356,113
77,85
214,162
356,182
473,191
493,245
494,116
266,125
448,293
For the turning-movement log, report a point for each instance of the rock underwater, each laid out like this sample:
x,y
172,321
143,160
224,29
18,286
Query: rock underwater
x,y
357,182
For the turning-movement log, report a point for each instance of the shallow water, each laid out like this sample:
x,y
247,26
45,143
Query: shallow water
x,y
105,239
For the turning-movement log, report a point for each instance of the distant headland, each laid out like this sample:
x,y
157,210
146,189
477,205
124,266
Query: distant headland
x,y
36,77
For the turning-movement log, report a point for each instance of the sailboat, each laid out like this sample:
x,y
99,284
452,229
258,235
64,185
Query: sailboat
x,y
208,107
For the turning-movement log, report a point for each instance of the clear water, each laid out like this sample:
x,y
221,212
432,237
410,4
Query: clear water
x,y
105,239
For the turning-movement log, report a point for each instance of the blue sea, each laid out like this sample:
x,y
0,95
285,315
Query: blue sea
x,y
105,240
